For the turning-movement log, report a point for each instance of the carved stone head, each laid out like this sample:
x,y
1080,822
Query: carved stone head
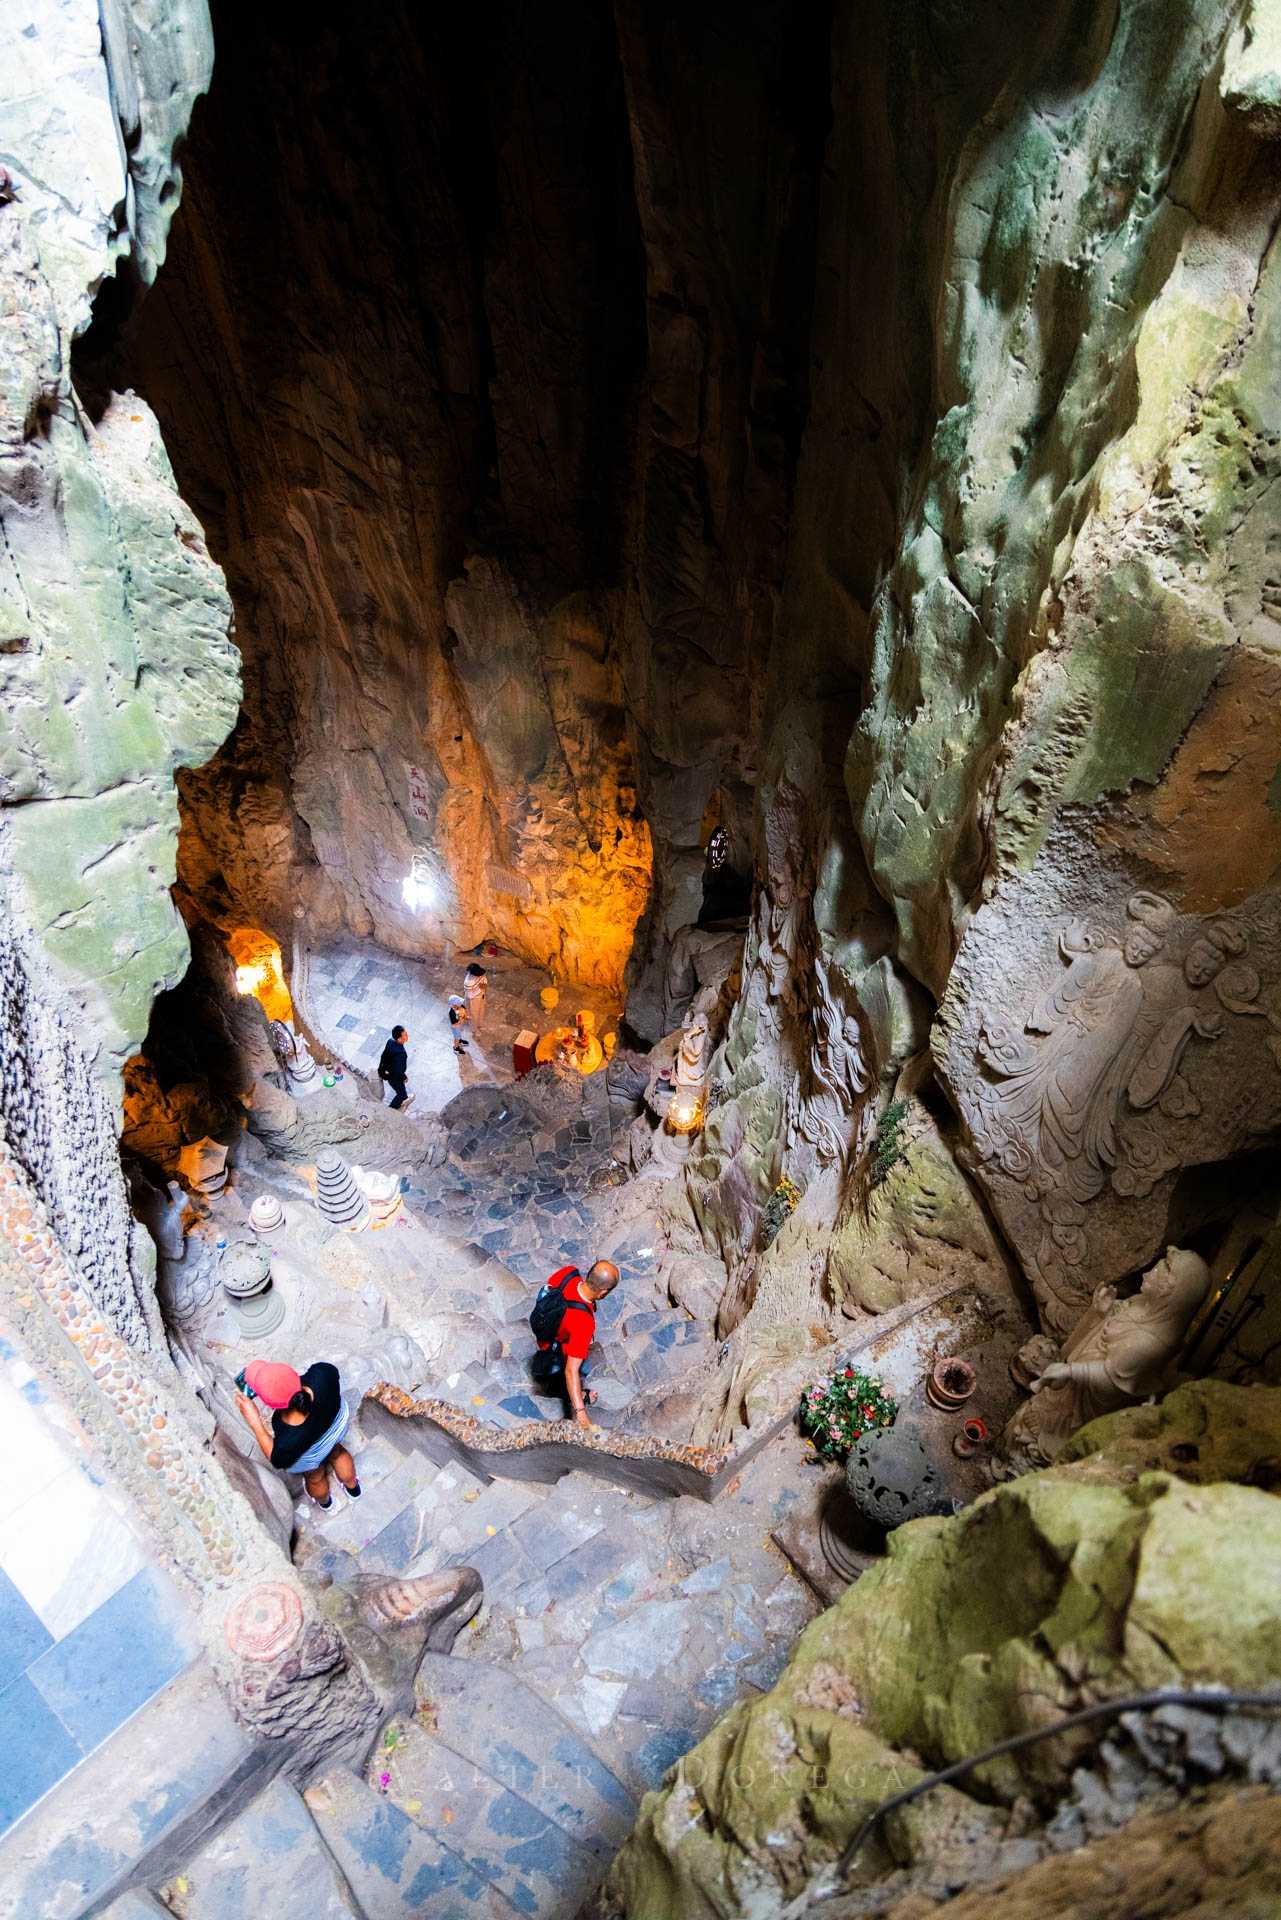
x,y
1151,918
1209,952
1177,1284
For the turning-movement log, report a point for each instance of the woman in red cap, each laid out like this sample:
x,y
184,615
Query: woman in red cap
x,y
309,1420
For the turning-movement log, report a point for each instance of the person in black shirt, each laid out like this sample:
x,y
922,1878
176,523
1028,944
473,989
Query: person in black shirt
x,y
309,1420
394,1065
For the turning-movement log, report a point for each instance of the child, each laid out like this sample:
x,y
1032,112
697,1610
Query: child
x,y
475,987
457,1021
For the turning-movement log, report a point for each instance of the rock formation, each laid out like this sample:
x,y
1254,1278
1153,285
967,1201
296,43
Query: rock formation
x,y
836,448
932,1655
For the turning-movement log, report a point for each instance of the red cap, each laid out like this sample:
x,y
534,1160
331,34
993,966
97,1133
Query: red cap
x,y
274,1383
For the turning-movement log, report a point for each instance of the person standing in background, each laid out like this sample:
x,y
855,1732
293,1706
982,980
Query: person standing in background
x,y
458,1022
394,1066
475,987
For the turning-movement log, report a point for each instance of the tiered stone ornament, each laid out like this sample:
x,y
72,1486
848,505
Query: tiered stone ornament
x,y
338,1197
245,1271
266,1216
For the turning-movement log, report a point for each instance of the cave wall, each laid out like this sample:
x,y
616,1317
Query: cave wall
x,y
848,427
115,666
481,354
1034,530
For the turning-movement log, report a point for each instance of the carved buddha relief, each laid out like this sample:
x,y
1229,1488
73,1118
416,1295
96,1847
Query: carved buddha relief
x,y
1085,1092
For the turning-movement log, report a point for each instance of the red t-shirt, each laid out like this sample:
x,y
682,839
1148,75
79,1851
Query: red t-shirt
x,y
577,1329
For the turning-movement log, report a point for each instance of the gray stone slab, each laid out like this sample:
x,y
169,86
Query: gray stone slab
x,y
542,1541
271,1859
507,1839
395,1869
135,1810
640,1645
487,1716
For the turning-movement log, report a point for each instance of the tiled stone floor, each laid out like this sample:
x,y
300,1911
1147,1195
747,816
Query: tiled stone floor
x,y
90,1631
357,992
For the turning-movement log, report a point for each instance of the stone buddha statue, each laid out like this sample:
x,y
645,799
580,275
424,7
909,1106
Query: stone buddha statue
x,y
1118,1352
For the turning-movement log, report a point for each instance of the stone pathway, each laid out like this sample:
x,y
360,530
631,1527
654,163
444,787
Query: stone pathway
x,y
615,1630
354,992
616,1626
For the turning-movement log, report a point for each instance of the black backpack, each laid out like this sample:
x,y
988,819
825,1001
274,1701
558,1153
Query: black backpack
x,y
551,1305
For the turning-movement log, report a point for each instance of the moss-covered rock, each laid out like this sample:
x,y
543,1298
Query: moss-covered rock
x,y
1088,1580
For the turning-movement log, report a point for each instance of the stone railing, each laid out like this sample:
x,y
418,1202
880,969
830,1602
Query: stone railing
x,y
544,1450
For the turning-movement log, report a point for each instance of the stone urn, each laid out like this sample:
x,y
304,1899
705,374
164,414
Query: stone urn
x,y
891,1478
245,1272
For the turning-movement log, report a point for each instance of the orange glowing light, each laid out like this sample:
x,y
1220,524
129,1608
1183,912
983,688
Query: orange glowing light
x,y
260,971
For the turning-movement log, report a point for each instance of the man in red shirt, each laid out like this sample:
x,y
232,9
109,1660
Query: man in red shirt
x,y
566,1354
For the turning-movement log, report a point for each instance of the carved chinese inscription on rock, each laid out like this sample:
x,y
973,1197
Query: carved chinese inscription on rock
x,y
1093,1060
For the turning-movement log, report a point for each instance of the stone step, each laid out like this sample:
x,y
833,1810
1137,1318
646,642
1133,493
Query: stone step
x,y
395,1869
491,1719
271,1859
505,1837
106,1827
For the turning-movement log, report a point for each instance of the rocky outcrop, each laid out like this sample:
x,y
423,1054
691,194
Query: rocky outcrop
x,y
1031,571
1073,1585
115,666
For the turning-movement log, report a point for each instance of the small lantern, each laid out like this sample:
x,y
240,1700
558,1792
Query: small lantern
x,y
685,1115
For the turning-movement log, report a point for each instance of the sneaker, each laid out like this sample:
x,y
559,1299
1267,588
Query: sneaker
x,y
352,1493
324,1505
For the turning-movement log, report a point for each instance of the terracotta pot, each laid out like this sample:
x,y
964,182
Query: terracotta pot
x,y
973,1438
950,1384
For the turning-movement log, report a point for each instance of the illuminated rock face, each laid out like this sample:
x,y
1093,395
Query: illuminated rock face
x,y
457,380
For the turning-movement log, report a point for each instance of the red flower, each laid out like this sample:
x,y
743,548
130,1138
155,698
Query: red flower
x,y
849,1373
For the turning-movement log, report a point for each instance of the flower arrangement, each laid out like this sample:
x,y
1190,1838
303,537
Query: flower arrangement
x,y
782,1201
836,1412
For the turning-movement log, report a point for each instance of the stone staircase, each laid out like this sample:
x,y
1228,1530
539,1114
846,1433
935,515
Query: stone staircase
x,y
487,1801
486,1805
645,1348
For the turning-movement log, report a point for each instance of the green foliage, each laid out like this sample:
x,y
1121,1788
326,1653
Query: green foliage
x,y
782,1202
837,1412
889,1149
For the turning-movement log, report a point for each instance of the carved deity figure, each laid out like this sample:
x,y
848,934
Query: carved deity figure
x,y
1107,1039
1118,1352
826,1108
690,1070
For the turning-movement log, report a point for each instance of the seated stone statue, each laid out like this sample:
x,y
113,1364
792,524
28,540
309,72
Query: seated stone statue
x,y
1118,1352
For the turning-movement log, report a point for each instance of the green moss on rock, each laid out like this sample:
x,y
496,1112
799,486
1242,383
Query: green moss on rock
x,y
1082,1582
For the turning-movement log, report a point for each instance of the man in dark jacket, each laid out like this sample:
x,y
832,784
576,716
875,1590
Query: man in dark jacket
x,y
394,1065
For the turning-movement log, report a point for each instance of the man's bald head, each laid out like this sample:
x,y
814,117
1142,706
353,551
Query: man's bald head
x,y
602,1278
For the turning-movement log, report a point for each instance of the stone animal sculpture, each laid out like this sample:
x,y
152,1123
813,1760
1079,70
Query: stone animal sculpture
x,y
1117,1353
